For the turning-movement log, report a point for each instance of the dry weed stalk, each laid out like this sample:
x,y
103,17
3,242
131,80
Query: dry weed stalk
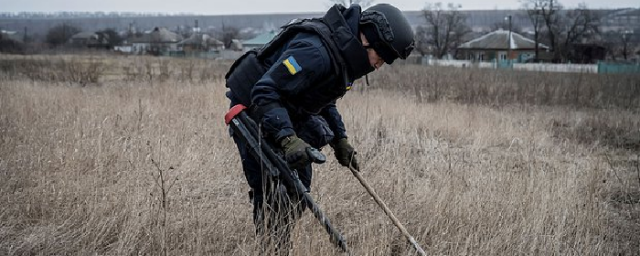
x,y
164,187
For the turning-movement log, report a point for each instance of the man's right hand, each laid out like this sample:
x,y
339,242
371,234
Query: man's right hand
x,y
295,152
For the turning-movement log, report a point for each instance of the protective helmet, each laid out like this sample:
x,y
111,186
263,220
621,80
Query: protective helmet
x,y
388,32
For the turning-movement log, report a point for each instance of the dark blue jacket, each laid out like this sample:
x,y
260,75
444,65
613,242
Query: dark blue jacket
x,y
302,76
311,87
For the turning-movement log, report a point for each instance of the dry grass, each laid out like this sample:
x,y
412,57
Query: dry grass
x,y
467,177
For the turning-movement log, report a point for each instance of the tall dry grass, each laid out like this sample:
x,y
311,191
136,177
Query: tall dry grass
x,y
81,168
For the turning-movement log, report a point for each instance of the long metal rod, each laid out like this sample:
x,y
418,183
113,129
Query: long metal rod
x,y
247,130
387,211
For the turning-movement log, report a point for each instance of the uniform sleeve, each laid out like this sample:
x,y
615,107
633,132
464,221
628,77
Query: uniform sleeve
x,y
299,66
334,120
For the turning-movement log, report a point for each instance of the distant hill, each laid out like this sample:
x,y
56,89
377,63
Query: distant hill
x,y
39,23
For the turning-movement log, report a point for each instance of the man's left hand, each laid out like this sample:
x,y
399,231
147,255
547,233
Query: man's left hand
x,y
345,153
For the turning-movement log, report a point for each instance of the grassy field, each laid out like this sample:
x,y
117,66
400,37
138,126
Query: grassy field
x,y
473,162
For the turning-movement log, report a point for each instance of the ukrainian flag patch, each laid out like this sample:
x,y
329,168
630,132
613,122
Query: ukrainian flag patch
x,y
292,65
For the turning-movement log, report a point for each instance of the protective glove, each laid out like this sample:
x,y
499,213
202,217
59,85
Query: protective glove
x,y
345,153
295,152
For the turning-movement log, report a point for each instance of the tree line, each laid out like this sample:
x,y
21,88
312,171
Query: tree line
x,y
442,28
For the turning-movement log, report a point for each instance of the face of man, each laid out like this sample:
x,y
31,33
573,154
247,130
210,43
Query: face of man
x,y
374,59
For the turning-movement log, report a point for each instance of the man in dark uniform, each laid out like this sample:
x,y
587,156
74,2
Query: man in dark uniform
x,y
292,84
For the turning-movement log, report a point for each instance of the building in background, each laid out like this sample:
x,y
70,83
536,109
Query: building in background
x,y
259,40
89,40
500,45
200,43
12,35
159,41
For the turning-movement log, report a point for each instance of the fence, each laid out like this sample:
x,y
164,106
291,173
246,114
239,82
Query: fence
x,y
457,63
600,68
565,68
612,68
446,63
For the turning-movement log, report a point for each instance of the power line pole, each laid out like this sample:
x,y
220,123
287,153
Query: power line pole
x,y
509,47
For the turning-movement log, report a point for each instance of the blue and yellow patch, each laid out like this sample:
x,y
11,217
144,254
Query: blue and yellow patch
x,y
292,65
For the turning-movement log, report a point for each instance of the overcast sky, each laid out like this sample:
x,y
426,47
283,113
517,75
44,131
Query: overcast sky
x,y
258,6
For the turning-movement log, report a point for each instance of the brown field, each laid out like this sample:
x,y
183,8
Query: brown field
x,y
473,162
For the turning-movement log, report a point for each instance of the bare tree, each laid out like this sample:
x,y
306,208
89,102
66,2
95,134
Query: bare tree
x,y
533,8
549,11
227,34
579,24
625,40
347,3
9,45
60,34
561,32
550,15
112,37
422,47
619,44
545,14
445,29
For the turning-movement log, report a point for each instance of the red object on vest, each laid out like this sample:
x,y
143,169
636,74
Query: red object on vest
x,y
233,112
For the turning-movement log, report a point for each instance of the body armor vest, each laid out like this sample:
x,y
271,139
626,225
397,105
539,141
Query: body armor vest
x,y
348,57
